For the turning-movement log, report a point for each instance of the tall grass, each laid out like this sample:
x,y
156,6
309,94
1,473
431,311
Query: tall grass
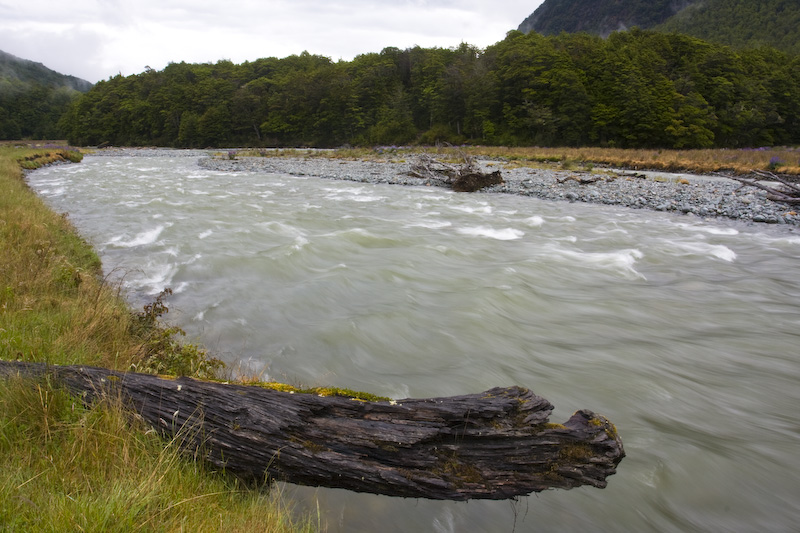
x,y
67,468
738,161
64,466
741,161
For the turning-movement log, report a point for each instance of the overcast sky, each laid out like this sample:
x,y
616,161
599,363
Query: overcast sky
x,y
96,39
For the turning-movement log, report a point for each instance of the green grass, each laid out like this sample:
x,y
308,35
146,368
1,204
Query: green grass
x,y
67,467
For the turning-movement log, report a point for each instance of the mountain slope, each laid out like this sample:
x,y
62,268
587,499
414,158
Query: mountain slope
x,y
737,23
741,23
33,97
25,71
600,17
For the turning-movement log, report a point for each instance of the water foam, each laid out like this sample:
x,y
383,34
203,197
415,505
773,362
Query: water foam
x,y
300,242
713,230
505,234
621,261
141,239
713,250
535,221
366,199
485,209
157,278
433,224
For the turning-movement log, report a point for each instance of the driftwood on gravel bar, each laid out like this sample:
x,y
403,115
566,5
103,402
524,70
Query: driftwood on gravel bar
x,y
466,177
788,193
493,445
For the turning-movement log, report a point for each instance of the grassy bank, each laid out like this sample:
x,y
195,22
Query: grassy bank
x,y
741,161
64,467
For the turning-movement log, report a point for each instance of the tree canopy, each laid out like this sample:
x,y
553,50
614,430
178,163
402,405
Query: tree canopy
x,y
33,97
600,17
741,23
737,23
634,89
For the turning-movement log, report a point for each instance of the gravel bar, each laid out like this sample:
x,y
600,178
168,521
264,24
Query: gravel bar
x,y
702,196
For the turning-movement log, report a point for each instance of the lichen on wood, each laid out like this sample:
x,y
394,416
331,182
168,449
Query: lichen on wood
x,y
464,177
497,444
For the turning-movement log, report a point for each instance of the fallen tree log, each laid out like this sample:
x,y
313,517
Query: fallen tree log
x,y
789,193
494,445
466,177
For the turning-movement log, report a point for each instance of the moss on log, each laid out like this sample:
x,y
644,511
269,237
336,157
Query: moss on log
x,y
496,444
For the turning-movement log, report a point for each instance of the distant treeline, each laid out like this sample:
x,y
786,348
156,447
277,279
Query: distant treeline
x,y
633,89
33,98
32,110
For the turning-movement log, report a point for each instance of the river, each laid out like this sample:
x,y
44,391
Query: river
x,y
683,332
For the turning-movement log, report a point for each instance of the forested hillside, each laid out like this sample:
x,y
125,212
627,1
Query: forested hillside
x,y
738,23
600,17
742,23
33,97
634,89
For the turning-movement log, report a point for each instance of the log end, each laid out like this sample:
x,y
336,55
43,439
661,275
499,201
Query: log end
x,y
475,181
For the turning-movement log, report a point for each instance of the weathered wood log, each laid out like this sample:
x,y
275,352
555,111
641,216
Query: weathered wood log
x,y
475,181
582,180
494,445
789,193
466,177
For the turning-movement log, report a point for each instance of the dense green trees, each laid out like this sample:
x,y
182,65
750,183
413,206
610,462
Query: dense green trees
x,y
741,23
600,17
736,23
32,98
633,89
31,110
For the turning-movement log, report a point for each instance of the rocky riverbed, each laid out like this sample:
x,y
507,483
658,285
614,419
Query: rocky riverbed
x,y
702,196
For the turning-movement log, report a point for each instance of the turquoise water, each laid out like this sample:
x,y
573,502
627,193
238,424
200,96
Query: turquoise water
x,y
682,332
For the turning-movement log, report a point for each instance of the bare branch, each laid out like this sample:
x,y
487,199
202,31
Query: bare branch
x,y
788,194
464,178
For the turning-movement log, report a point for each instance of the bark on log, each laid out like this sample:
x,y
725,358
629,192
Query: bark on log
x,y
461,178
494,445
475,181
788,194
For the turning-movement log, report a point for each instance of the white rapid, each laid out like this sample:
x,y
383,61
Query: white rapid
x,y
682,332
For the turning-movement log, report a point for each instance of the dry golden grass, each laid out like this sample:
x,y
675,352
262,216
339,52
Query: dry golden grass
x,y
744,161
739,161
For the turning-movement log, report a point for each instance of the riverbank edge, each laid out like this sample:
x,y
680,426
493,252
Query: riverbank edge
x,y
706,197
75,467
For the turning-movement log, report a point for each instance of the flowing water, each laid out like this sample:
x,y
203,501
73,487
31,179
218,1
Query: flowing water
x,y
683,332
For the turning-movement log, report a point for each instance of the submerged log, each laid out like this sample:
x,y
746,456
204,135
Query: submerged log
x,y
494,445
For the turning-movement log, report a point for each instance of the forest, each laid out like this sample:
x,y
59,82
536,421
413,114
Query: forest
x,y
600,17
633,89
33,98
741,23
736,23
32,111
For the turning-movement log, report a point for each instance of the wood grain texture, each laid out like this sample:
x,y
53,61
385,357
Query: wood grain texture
x,y
496,444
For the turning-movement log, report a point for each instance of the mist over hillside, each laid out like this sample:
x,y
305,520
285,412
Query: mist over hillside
x,y
33,98
26,71
736,23
600,17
